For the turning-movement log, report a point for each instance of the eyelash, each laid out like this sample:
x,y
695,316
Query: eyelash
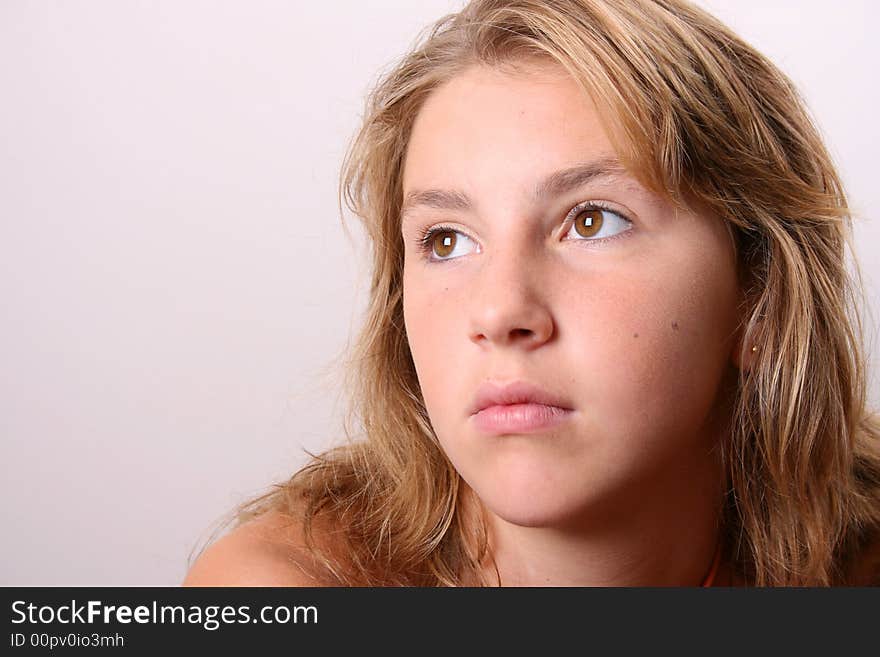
x,y
424,240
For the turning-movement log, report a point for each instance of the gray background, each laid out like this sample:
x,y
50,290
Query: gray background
x,y
175,280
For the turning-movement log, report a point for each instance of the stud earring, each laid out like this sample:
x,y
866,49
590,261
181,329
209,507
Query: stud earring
x,y
754,348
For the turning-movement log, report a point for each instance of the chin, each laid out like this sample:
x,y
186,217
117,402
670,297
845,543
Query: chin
x,y
532,513
532,502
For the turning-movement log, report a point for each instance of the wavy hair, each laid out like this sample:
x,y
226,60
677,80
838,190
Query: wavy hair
x,y
698,115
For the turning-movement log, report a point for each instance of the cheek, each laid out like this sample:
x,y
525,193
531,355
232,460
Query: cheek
x,y
435,332
657,349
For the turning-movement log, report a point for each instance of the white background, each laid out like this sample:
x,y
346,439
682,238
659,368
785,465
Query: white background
x,y
175,280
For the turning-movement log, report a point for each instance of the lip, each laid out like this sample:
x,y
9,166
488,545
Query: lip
x,y
517,407
519,418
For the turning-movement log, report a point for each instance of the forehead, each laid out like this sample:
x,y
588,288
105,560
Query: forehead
x,y
513,121
512,139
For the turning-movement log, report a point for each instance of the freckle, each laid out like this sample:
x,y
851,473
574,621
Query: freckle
x,y
674,326
635,335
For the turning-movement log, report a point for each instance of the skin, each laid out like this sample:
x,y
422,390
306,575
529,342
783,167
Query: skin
x,y
637,333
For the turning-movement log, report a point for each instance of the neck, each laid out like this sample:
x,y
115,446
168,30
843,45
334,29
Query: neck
x,y
666,534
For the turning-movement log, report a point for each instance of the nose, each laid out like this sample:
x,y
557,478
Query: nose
x,y
509,306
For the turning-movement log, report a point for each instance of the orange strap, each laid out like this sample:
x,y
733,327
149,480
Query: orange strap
x,y
710,577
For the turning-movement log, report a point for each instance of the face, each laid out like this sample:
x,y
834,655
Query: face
x,y
621,309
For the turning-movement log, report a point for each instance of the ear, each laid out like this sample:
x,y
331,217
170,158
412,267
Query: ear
x,y
744,348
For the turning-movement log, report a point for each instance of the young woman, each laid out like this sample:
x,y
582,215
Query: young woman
x,y
611,337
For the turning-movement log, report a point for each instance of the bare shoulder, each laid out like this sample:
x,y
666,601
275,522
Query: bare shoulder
x,y
266,551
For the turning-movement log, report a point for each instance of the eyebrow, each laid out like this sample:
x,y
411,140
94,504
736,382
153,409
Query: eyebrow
x,y
558,182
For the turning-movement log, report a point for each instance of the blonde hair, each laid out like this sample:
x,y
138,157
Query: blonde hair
x,y
698,116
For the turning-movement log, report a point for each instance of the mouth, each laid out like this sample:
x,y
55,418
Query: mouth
x,y
502,419
518,407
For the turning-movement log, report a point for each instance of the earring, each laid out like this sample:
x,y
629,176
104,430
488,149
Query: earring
x,y
754,348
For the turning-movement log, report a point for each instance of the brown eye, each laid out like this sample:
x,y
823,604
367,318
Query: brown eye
x,y
444,243
588,222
